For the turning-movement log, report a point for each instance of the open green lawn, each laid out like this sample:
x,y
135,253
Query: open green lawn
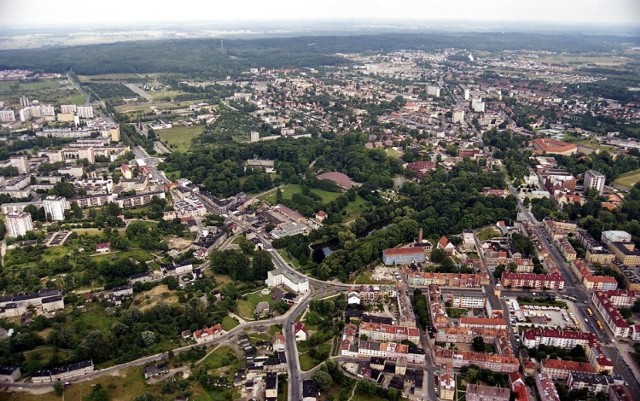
x,y
93,317
307,362
223,356
229,323
628,179
456,312
179,138
488,233
290,189
246,307
55,91
355,208
138,254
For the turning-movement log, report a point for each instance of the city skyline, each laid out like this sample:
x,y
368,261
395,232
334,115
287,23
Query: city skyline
x,y
40,13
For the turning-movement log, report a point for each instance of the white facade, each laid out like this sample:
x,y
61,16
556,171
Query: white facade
x,y
594,179
458,116
477,105
68,108
433,90
85,111
54,207
276,278
19,224
7,116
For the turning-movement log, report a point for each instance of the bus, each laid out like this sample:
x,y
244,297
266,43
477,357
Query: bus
x,y
589,311
600,325
570,298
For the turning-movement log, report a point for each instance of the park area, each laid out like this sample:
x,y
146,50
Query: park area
x,y
179,138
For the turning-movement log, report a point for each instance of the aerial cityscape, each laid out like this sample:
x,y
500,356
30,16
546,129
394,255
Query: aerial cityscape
x,y
267,201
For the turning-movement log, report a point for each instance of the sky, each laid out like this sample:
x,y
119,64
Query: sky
x,y
117,12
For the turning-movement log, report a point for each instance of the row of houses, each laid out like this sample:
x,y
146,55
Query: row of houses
x,y
590,280
552,281
62,373
459,280
17,305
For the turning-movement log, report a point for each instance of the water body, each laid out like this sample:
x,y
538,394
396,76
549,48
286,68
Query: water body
x,y
323,249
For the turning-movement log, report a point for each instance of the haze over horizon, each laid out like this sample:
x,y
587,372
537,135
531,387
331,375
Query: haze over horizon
x,y
42,13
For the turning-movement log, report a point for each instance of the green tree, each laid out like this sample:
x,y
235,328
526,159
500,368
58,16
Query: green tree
x,y
323,380
478,344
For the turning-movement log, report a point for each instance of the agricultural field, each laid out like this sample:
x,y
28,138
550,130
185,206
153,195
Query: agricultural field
x,y
179,138
53,91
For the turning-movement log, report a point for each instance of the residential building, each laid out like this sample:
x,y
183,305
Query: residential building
x,y
483,322
68,108
271,387
448,385
532,280
18,224
85,111
594,382
309,391
558,369
546,388
625,252
611,316
208,334
7,116
278,277
54,207
594,180
9,374
478,392
300,331
532,338
402,256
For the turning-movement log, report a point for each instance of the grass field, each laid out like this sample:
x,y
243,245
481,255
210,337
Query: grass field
x,y
229,323
160,293
137,254
179,138
488,233
628,179
290,189
247,307
94,318
223,356
354,209
55,91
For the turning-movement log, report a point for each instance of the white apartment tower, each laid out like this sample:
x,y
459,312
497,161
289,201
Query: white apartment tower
x,y
19,224
21,163
85,111
68,108
7,116
594,179
54,207
24,101
433,90
458,116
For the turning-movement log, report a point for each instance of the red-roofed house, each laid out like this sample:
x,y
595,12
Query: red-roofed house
x,y
445,245
207,334
300,331
103,247
560,369
402,256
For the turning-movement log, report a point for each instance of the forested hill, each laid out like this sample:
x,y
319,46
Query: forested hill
x,y
204,56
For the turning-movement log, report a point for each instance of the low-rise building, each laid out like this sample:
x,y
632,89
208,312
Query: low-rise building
x,y
403,256
558,369
546,388
278,277
9,374
594,382
479,392
531,280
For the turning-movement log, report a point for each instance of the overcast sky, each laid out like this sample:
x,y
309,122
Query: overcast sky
x,y
68,12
